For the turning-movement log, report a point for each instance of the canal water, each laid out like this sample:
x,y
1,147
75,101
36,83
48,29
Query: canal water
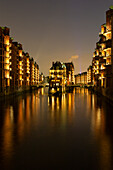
x,y
71,131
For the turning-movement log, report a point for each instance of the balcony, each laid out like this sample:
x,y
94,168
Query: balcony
x,y
107,33
100,34
107,44
96,58
6,67
108,63
101,60
102,67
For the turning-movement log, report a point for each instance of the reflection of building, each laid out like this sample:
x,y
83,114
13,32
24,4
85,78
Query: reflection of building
x,y
81,79
57,77
69,73
102,62
62,106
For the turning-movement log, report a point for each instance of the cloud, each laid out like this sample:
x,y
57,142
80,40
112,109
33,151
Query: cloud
x,y
74,57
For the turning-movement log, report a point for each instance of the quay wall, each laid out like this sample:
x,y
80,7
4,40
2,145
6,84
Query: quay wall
x,y
18,91
105,92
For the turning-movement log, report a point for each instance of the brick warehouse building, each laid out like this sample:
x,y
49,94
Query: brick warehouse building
x,y
15,65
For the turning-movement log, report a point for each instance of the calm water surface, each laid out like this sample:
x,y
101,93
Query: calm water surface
x,y
72,131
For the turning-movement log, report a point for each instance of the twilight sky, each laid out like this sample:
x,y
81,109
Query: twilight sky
x,y
56,30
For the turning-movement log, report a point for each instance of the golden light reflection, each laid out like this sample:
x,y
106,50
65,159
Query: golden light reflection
x,y
42,91
27,109
98,119
57,103
32,102
105,153
70,102
16,116
62,108
11,114
20,111
53,103
99,132
48,101
64,102
19,118
7,134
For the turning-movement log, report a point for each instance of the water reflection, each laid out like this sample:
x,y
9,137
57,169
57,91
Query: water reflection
x,y
76,116
101,111
62,107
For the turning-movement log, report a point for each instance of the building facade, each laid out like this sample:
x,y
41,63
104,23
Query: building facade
x,y
89,75
17,69
69,73
41,77
26,69
5,59
102,63
57,76
81,79
34,73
